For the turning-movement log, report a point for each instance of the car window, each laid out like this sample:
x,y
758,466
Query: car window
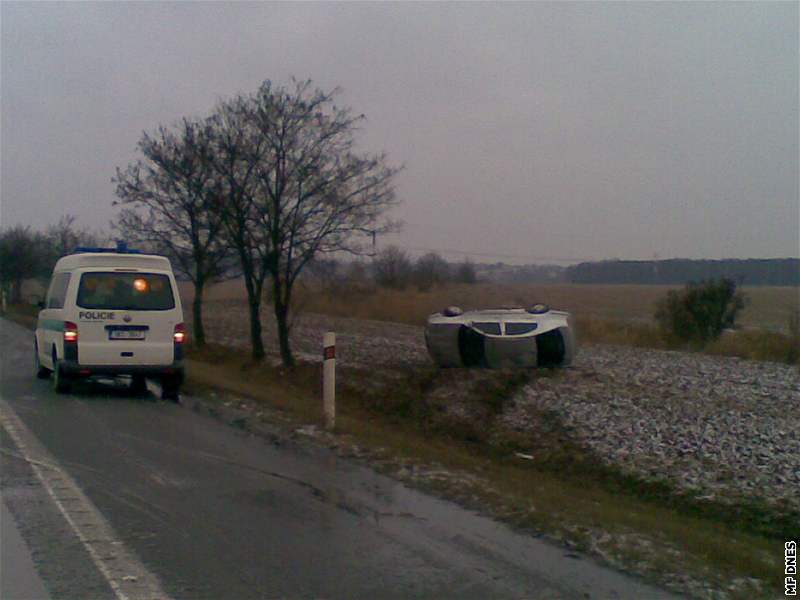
x,y
57,293
125,291
519,328
490,328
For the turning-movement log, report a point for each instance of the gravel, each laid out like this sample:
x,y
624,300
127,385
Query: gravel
x,y
725,428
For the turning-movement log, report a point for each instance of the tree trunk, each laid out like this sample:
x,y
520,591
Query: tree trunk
x,y
254,305
16,291
255,330
281,292
282,318
197,314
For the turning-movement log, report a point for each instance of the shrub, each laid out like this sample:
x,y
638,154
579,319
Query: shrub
x,y
465,272
701,311
429,270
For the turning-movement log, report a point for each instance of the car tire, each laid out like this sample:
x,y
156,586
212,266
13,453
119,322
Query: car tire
x,y
42,372
138,385
62,383
452,311
539,309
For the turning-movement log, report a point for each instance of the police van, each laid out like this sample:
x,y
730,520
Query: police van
x,y
109,312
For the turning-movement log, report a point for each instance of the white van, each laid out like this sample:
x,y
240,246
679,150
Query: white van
x,y
112,312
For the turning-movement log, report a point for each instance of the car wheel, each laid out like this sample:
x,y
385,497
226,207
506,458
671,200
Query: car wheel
x,y
61,382
138,385
41,371
452,311
538,309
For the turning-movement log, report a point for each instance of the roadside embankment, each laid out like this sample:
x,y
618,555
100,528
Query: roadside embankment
x,y
723,428
710,441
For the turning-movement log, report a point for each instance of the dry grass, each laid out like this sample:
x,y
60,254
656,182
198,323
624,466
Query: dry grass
x,y
768,307
758,345
615,314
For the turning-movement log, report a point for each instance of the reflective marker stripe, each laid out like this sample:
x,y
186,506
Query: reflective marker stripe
x,y
51,324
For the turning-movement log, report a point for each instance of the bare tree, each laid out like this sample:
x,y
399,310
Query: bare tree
x,y
298,188
168,197
22,256
28,254
392,268
64,236
234,145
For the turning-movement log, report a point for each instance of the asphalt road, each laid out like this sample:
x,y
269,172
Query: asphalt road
x,y
18,576
118,496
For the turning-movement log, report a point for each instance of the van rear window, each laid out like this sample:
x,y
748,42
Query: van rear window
x,y
125,291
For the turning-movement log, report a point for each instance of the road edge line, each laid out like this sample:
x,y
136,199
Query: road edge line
x,y
127,577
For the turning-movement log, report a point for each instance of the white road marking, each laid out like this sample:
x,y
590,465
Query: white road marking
x,y
126,576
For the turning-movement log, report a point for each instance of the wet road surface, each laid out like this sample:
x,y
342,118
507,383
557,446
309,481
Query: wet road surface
x,y
18,575
208,511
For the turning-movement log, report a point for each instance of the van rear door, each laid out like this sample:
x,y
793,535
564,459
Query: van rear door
x,y
126,317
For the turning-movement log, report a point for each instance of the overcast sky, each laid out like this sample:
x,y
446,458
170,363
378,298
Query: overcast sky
x,y
527,130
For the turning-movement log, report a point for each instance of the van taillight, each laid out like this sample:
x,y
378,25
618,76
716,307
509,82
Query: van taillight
x,y
70,332
180,333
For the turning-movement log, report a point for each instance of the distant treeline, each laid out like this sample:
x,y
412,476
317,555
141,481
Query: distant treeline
x,y
678,271
503,273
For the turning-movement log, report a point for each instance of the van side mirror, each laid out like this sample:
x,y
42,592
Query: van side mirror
x,y
40,304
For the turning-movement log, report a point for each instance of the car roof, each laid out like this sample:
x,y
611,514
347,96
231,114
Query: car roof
x,y
112,260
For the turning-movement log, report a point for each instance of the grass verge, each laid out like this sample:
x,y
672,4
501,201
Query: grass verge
x,y
564,492
24,314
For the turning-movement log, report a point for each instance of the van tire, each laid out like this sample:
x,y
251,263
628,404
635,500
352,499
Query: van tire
x,y
41,371
171,389
61,383
138,385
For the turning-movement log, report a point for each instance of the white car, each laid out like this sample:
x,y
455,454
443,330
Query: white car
x,y
112,312
500,337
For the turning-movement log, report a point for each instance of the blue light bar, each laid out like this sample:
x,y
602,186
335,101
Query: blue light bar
x,y
122,248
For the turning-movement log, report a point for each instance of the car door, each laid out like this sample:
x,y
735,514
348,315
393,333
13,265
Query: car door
x,y
50,324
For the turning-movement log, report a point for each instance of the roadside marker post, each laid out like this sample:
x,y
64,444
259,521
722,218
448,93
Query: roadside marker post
x,y
329,379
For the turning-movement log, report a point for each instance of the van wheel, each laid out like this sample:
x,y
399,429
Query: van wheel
x,y
138,385
171,389
61,382
41,372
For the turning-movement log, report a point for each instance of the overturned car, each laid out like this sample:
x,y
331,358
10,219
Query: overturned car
x,y
500,338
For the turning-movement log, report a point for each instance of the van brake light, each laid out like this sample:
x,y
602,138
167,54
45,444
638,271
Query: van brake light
x,y
70,332
180,333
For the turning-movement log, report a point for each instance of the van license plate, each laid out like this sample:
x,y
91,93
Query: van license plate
x,y
126,334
